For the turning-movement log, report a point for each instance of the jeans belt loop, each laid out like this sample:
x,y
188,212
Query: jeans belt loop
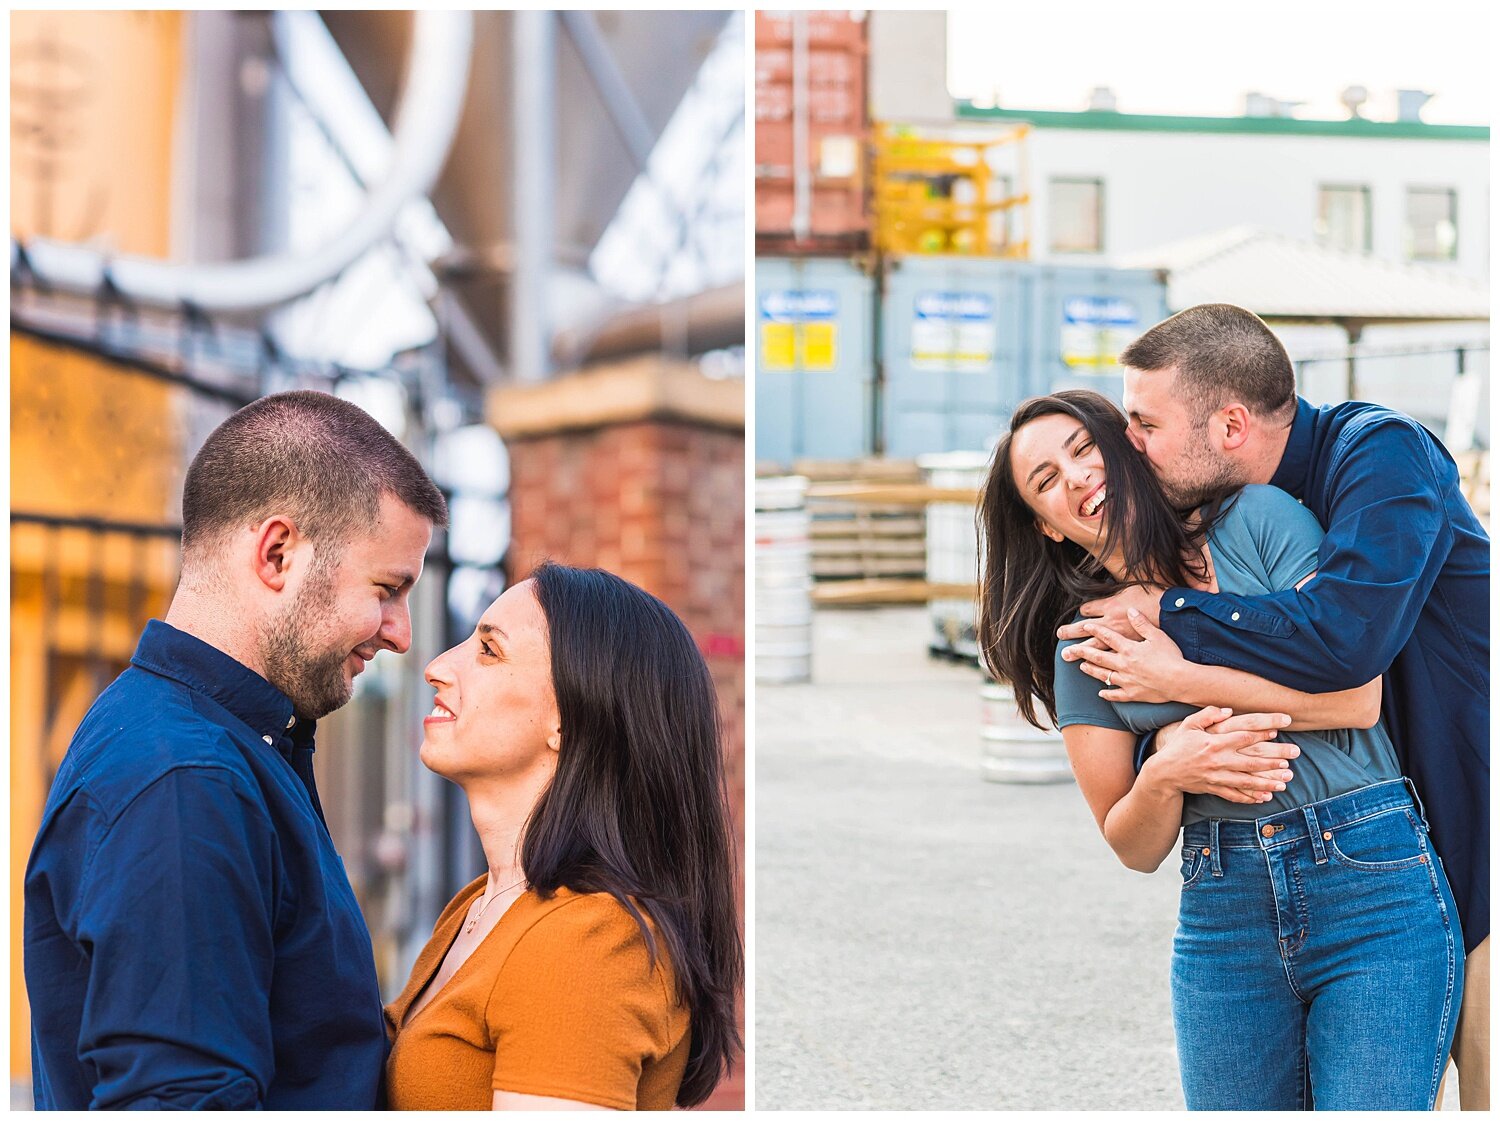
x,y
1320,850
1416,800
1213,843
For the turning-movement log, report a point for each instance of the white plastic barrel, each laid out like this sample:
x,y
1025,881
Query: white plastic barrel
x,y
783,580
953,549
1011,750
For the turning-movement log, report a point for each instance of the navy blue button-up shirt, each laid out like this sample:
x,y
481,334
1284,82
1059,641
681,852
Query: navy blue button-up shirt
x,y
191,938
1403,589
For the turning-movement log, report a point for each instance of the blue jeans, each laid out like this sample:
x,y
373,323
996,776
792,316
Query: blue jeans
x,y
1318,961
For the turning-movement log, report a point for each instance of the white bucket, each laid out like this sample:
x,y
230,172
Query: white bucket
x,y
1011,750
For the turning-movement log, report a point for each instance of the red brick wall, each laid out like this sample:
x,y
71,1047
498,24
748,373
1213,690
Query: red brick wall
x,y
661,503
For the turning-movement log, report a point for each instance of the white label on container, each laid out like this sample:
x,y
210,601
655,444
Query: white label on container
x,y
953,331
1094,331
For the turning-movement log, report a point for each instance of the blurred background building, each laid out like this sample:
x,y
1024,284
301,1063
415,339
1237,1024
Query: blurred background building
x,y
926,262
516,239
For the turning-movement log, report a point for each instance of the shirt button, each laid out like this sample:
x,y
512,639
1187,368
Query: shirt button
x,y
1180,601
292,720
1235,617
1267,830
267,739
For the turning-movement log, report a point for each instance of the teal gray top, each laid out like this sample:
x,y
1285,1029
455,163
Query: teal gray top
x,y
1266,542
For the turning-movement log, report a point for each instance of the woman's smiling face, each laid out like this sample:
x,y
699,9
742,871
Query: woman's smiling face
x,y
1059,471
495,713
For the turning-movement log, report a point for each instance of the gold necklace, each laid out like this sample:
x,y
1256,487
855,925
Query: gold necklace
x,y
472,923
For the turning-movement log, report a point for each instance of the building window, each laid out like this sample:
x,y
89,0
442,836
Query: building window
x,y
1431,224
1075,216
1344,217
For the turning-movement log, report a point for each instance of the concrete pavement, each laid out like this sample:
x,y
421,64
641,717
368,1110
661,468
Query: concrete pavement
x,y
924,939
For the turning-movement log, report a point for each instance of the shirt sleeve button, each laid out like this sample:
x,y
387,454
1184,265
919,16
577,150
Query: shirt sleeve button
x,y
1235,616
1180,601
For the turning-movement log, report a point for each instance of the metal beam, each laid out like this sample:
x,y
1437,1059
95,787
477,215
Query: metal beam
x,y
624,111
534,126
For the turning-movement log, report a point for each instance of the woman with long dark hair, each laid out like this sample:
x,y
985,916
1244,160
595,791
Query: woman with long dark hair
x,y
596,964
1318,955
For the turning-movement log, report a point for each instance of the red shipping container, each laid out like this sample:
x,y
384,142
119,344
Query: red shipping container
x,y
835,116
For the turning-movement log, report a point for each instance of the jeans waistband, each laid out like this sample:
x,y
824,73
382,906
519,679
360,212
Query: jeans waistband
x,y
1304,822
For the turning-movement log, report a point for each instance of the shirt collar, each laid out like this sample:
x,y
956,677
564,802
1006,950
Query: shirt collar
x,y
175,654
1291,473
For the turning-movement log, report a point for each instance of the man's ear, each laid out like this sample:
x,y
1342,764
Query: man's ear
x,y
1234,421
276,540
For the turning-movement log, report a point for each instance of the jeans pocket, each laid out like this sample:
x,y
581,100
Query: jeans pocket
x,y
1194,861
1387,842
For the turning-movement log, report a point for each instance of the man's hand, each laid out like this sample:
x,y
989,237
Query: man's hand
x,y
1231,756
1114,611
1149,670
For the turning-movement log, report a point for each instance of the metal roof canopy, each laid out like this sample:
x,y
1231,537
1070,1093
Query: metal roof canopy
x,y
1284,280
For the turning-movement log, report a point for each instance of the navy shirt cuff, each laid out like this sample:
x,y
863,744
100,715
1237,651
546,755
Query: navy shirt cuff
x,y
1181,603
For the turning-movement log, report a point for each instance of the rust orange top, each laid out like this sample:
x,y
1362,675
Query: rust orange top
x,y
560,999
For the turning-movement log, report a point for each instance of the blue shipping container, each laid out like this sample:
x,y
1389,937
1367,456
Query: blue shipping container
x,y
964,340
814,363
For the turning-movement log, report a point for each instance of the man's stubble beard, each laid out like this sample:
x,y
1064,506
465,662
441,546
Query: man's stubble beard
x,y
312,678
1200,477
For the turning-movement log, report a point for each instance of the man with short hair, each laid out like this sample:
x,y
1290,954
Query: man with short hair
x,y
191,938
1402,585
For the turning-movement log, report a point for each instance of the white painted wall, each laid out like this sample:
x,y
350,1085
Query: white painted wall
x,y
1161,187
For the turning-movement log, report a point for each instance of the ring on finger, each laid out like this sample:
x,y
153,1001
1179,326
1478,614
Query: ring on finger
x,y
1109,680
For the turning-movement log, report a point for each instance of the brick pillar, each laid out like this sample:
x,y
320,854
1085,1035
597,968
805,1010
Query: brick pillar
x,y
639,468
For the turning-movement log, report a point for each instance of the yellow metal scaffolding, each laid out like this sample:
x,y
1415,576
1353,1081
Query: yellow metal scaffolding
x,y
938,189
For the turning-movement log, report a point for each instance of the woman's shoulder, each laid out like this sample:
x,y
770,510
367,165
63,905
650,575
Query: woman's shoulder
x,y
1261,501
595,924
1257,509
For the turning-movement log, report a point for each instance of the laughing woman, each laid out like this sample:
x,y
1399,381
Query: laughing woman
x,y
597,962
1317,957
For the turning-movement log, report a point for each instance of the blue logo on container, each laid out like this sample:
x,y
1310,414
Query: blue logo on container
x,y
1099,311
954,306
799,305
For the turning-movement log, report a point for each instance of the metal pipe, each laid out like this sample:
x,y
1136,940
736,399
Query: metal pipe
x,y
534,126
801,141
431,104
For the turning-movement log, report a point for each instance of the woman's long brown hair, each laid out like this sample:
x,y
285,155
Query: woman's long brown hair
x,y
1029,585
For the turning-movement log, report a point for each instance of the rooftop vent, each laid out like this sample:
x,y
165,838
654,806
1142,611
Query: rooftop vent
x,y
1409,104
1102,100
1261,105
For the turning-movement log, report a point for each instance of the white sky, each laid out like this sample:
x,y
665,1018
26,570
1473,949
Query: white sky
x,y
1169,56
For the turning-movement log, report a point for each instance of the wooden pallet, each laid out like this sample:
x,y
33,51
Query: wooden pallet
x,y
859,540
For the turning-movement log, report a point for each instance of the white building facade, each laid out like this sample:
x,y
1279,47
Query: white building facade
x,y
1107,184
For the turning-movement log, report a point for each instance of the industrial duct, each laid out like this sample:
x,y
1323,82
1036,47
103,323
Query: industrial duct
x,y
432,99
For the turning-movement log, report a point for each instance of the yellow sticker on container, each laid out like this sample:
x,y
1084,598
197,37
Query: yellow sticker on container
x,y
819,346
778,346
